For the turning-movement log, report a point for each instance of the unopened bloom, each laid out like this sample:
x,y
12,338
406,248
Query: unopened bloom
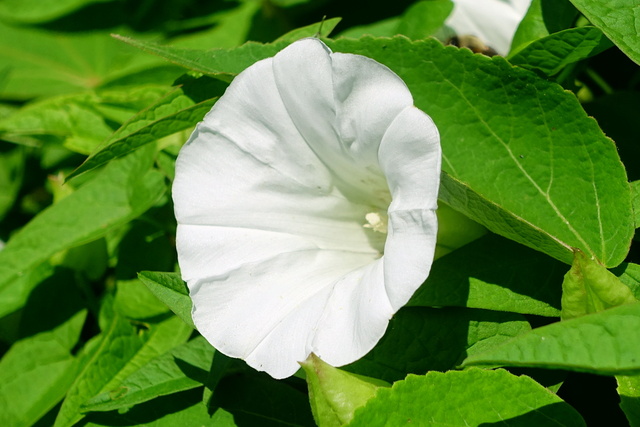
x,y
494,22
306,205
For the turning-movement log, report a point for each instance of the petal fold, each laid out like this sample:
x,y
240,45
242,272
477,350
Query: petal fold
x,y
280,196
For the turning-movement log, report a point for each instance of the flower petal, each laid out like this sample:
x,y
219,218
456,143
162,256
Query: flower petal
x,y
247,166
410,156
492,21
355,317
271,195
267,312
342,104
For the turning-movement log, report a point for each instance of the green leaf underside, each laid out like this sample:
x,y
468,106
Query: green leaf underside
x,y
121,192
552,53
605,343
618,19
493,273
545,174
183,368
468,398
590,288
171,290
335,394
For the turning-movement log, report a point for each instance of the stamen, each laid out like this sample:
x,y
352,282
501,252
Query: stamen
x,y
377,221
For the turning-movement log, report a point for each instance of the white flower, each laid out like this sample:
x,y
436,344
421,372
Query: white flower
x,y
492,21
310,167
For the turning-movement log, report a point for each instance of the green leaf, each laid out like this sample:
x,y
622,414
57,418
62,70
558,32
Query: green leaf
x,y
635,192
495,274
319,29
334,394
178,409
589,288
470,398
123,351
158,339
605,343
230,26
552,53
420,20
543,18
629,274
80,121
223,64
37,371
182,368
259,400
36,11
543,172
171,290
121,192
12,162
424,18
618,19
119,343
42,63
496,218
436,339
179,110
385,28
629,391
454,230
520,142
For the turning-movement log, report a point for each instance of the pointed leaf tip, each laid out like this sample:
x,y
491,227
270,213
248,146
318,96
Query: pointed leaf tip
x,y
588,287
335,394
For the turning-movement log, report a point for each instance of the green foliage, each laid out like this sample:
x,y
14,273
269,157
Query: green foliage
x,y
537,181
182,368
590,288
494,274
600,343
95,320
334,394
171,290
470,398
122,191
618,19
553,53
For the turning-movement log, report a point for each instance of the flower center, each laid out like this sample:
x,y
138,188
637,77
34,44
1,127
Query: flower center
x,y
377,221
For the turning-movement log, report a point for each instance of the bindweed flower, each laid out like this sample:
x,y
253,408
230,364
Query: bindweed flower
x,y
494,22
305,203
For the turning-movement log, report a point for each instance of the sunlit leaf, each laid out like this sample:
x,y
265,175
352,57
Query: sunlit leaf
x,y
618,19
468,398
603,343
121,192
